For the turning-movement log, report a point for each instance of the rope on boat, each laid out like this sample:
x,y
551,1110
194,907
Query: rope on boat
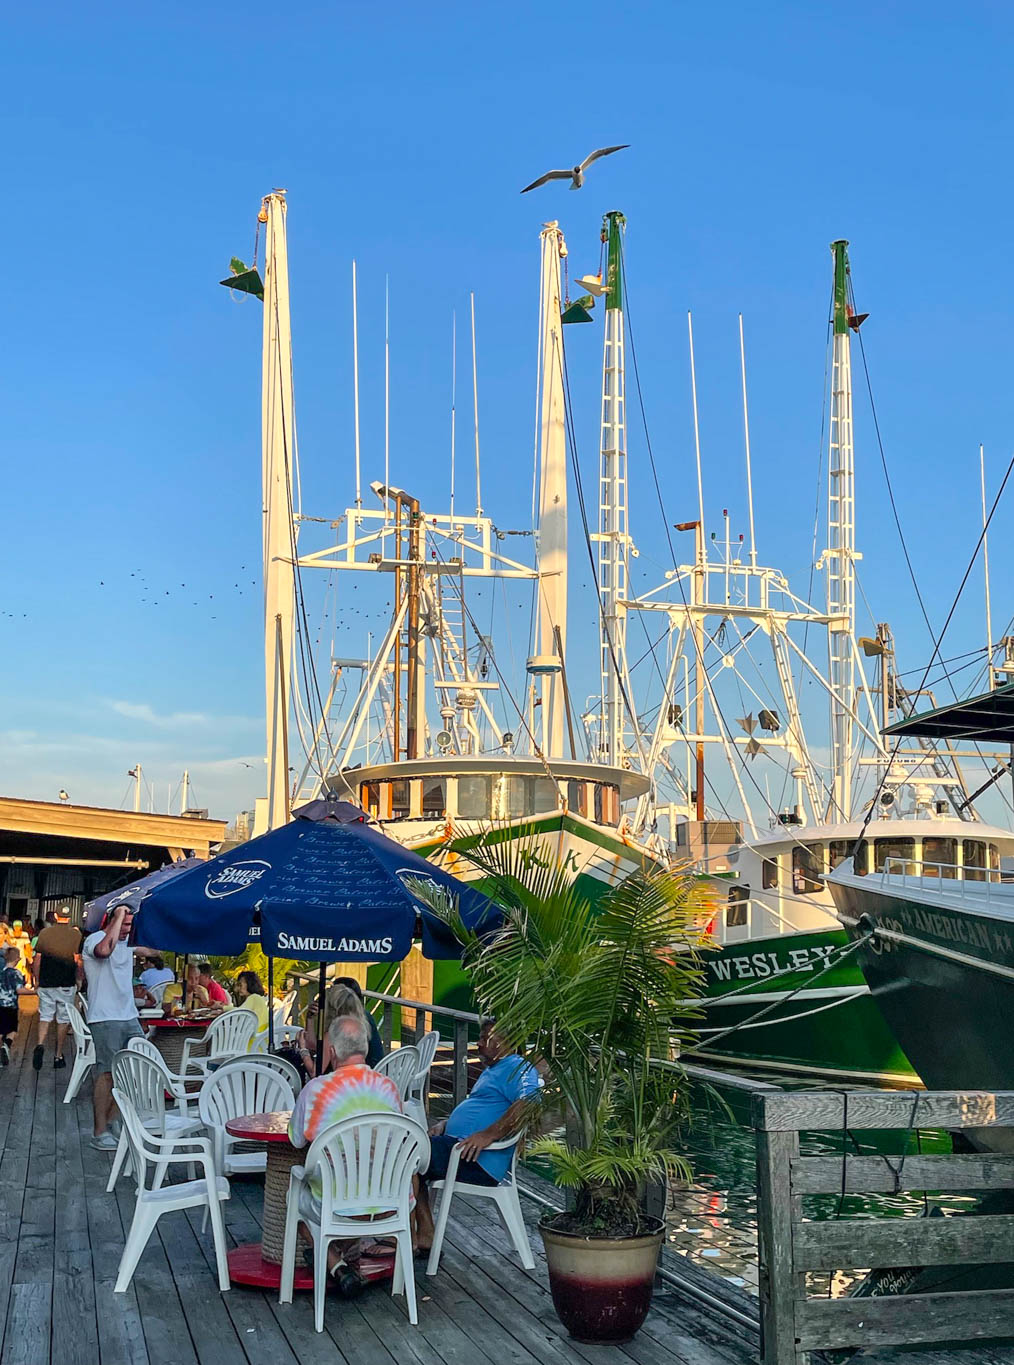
x,y
846,951
817,1009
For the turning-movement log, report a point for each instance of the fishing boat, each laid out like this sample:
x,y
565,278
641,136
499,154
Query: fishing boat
x,y
934,929
756,810
442,737
437,739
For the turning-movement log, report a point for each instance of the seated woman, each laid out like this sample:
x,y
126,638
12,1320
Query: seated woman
x,y
376,1048
250,995
196,995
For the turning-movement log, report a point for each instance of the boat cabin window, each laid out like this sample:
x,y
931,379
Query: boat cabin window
x,y
434,797
473,797
369,798
837,851
901,852
973,858
401,798
861,861
939,857
577,797
607,803
529,796
807,865
736,910
769,874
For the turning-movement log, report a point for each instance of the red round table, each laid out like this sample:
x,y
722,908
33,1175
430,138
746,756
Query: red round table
x,y
260,1263
168,1036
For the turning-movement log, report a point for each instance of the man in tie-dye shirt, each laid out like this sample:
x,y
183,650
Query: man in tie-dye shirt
x,y
351,1088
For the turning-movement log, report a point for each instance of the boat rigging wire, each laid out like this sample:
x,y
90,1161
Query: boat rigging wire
x,y
936,649
847,950
727,739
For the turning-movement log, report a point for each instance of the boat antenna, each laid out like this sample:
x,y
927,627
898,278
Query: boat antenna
x,y
475,408
746,439
454,396
387,392
985,569
697,429
355,375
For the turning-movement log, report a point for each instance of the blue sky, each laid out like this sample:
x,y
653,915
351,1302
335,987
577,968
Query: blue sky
x,y
138,142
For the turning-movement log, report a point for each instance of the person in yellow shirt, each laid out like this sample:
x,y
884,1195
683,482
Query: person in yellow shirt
x,y
250,995
197,996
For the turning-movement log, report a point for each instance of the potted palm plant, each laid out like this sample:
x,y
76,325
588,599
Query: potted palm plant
x,y
600,996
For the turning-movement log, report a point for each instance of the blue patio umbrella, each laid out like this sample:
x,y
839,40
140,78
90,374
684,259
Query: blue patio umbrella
x,y
327,887
133,893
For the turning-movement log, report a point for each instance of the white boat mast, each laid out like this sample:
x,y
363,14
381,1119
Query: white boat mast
x,y
840,556
613,535
546,666
278,468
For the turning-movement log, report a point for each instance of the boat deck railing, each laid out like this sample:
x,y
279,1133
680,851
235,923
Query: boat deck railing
x,y
975,882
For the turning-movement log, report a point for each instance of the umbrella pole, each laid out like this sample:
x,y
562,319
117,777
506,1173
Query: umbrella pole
x,y
271,1004
321,989
186,964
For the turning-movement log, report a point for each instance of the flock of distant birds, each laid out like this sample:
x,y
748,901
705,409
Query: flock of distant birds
x,y
576,175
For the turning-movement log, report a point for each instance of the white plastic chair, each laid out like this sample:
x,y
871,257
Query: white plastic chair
x,y
279,1065
154,1200
418,1089
504,1195
173,1083
84,1053
143,1081
244,1085
227,1036
400,1066
363,1164
283,1027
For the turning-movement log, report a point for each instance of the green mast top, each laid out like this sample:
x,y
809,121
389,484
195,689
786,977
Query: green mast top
x,y
839,250
611,226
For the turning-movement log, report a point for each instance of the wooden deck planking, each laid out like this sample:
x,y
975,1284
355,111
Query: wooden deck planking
x,y
61,1237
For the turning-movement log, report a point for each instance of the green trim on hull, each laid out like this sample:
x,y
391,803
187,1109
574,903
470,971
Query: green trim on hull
x,y
829,1036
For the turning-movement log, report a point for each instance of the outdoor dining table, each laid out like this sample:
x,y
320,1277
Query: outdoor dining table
x,y
168,1035
260,1263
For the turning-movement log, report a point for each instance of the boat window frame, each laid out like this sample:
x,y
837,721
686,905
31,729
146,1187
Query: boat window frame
x,y
737,907
805,880
947,868
907,857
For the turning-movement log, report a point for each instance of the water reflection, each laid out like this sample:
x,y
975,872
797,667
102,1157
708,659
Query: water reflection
x,y
713,1221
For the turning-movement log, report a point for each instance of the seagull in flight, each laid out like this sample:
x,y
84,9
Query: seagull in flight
x,y
576,173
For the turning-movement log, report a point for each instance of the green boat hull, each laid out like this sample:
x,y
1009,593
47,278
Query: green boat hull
x,y
599,859
945,977
816,1021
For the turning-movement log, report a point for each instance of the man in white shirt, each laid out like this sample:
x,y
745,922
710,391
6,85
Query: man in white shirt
x,y
112,1014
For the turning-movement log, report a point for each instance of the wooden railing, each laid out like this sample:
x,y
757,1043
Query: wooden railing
x,y
794,1323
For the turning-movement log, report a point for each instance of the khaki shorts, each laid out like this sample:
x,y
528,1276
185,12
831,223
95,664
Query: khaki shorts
x,y
56,1002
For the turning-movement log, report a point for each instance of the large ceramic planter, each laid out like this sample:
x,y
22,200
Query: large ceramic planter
x,y
602,1286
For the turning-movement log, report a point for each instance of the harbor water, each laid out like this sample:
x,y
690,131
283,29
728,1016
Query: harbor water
x,y
713,1220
